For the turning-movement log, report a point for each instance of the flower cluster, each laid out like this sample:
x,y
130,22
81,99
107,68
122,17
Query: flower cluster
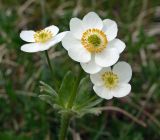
x,y
92,42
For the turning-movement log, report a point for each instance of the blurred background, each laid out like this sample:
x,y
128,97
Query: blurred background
x,y
24,117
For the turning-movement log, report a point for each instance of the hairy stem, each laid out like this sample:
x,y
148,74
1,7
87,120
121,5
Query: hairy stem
x,y
66,117
64,126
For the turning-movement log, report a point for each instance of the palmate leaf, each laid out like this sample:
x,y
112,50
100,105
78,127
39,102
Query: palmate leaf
x,y
88,107
51,101
85,101
66,88
93,110
46,88
47,98
93,103
84,91
50,96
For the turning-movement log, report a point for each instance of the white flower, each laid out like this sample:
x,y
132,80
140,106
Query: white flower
x,y
93,43
113,83
41,40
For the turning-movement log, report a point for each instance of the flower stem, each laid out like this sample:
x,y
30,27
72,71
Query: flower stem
x,y
49,62
66,117
64,126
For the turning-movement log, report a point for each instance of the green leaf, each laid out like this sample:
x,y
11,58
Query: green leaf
x,y
85,100
94,103
94,110
46,88
84,91
84,96
88,107
66,88
48,99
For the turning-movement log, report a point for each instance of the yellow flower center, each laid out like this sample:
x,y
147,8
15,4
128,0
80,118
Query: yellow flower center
x,y
43,36
94,40
110,79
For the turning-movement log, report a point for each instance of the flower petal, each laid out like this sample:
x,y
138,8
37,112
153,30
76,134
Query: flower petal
x,y
91,67
122,90
110,28
103,92
31,47
76,27
107,57
97,77
117,44
124,71
69,41
92,20
54,29
27,36
79,53
56,39
60,36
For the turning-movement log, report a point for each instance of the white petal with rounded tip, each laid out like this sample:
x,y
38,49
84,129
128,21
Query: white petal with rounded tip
x,y
31,47
79,53
60,36
107,57
76,27
54,29
27,36
117,44
37,47
103,92
69,41
122,90
124,71
110,28
97,77
92,20
91,67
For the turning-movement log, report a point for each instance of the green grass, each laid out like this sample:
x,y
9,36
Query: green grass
x,y
24,117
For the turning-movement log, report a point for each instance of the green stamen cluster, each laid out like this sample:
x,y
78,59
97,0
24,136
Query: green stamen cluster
x,y
110,79
42,36
94,40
